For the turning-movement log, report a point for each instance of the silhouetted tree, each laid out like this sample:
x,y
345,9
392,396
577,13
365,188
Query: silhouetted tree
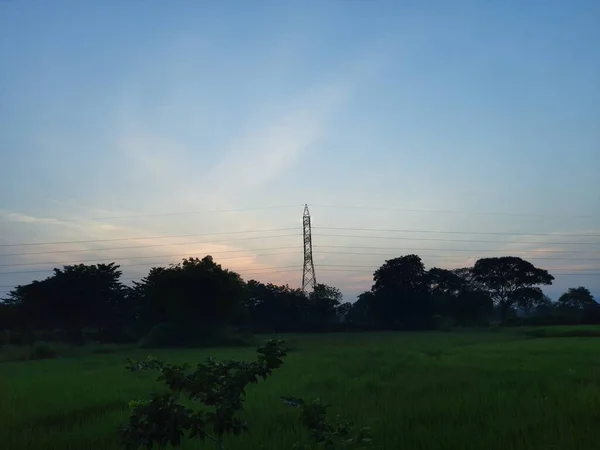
x,y
273,308
401,293
195,297
8,316
343,310
73,298
577,298
321,311
544,307
510,281
456,296
362,313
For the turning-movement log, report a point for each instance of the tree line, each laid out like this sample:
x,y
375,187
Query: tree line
x,y
197,300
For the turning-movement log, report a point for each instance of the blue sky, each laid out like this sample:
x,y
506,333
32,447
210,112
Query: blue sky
x,y
461,116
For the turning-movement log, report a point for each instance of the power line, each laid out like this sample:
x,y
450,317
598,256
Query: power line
x,y
295,234
445,211
458,232
371,266
146,237
459,240
188,213
561,274
183,213
438,256
391,251
155,263
89,241
445,249
150,246
172,255
289,268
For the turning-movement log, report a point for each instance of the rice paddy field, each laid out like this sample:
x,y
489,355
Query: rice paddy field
x,y
464,390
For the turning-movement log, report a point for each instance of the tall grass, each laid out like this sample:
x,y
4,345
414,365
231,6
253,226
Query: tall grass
x,y
416,391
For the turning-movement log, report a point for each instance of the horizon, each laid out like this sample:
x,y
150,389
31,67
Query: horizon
x,y
463,130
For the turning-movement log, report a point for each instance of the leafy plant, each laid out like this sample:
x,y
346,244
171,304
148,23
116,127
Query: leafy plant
x,y
219,386
43,350
338,434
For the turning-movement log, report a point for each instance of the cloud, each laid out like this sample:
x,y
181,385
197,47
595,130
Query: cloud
x,y
24,218
260,155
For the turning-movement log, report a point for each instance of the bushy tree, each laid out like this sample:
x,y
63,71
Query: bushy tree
x,y
510,281
456,296
321,311
401,293
577,298
74,297
273,308
362,313
195,297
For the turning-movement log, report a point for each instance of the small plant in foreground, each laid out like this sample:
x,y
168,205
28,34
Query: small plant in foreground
x,y
219,386
337,435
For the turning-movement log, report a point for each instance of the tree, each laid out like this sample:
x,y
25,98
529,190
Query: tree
x,y
73,298
323,302
343,310
544,306
362,314
446,282
273,308
401,293
577,298
509,280
194,297
529,298
456,296
467,275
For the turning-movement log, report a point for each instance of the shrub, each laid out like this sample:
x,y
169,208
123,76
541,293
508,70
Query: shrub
x,y
43,350
220,387
339,434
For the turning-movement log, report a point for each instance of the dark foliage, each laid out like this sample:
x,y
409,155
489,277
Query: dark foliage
x,y
401,297
43,351
194,295
324,433
219,386
197,302
511,281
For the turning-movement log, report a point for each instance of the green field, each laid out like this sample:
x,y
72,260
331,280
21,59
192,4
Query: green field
x,y
488,390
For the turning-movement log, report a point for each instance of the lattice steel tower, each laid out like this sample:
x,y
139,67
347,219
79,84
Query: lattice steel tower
x,y
308,272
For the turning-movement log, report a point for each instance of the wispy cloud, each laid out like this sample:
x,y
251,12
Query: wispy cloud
x,y
24,218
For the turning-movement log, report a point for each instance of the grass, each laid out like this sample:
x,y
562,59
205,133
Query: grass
x,y
423,391
563,331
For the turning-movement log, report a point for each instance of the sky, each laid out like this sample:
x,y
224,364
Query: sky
x,y
145,132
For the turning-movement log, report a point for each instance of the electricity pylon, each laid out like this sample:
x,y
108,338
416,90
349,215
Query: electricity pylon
x,y
308,272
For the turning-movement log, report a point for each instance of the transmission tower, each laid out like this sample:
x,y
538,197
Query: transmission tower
x,y
308,272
